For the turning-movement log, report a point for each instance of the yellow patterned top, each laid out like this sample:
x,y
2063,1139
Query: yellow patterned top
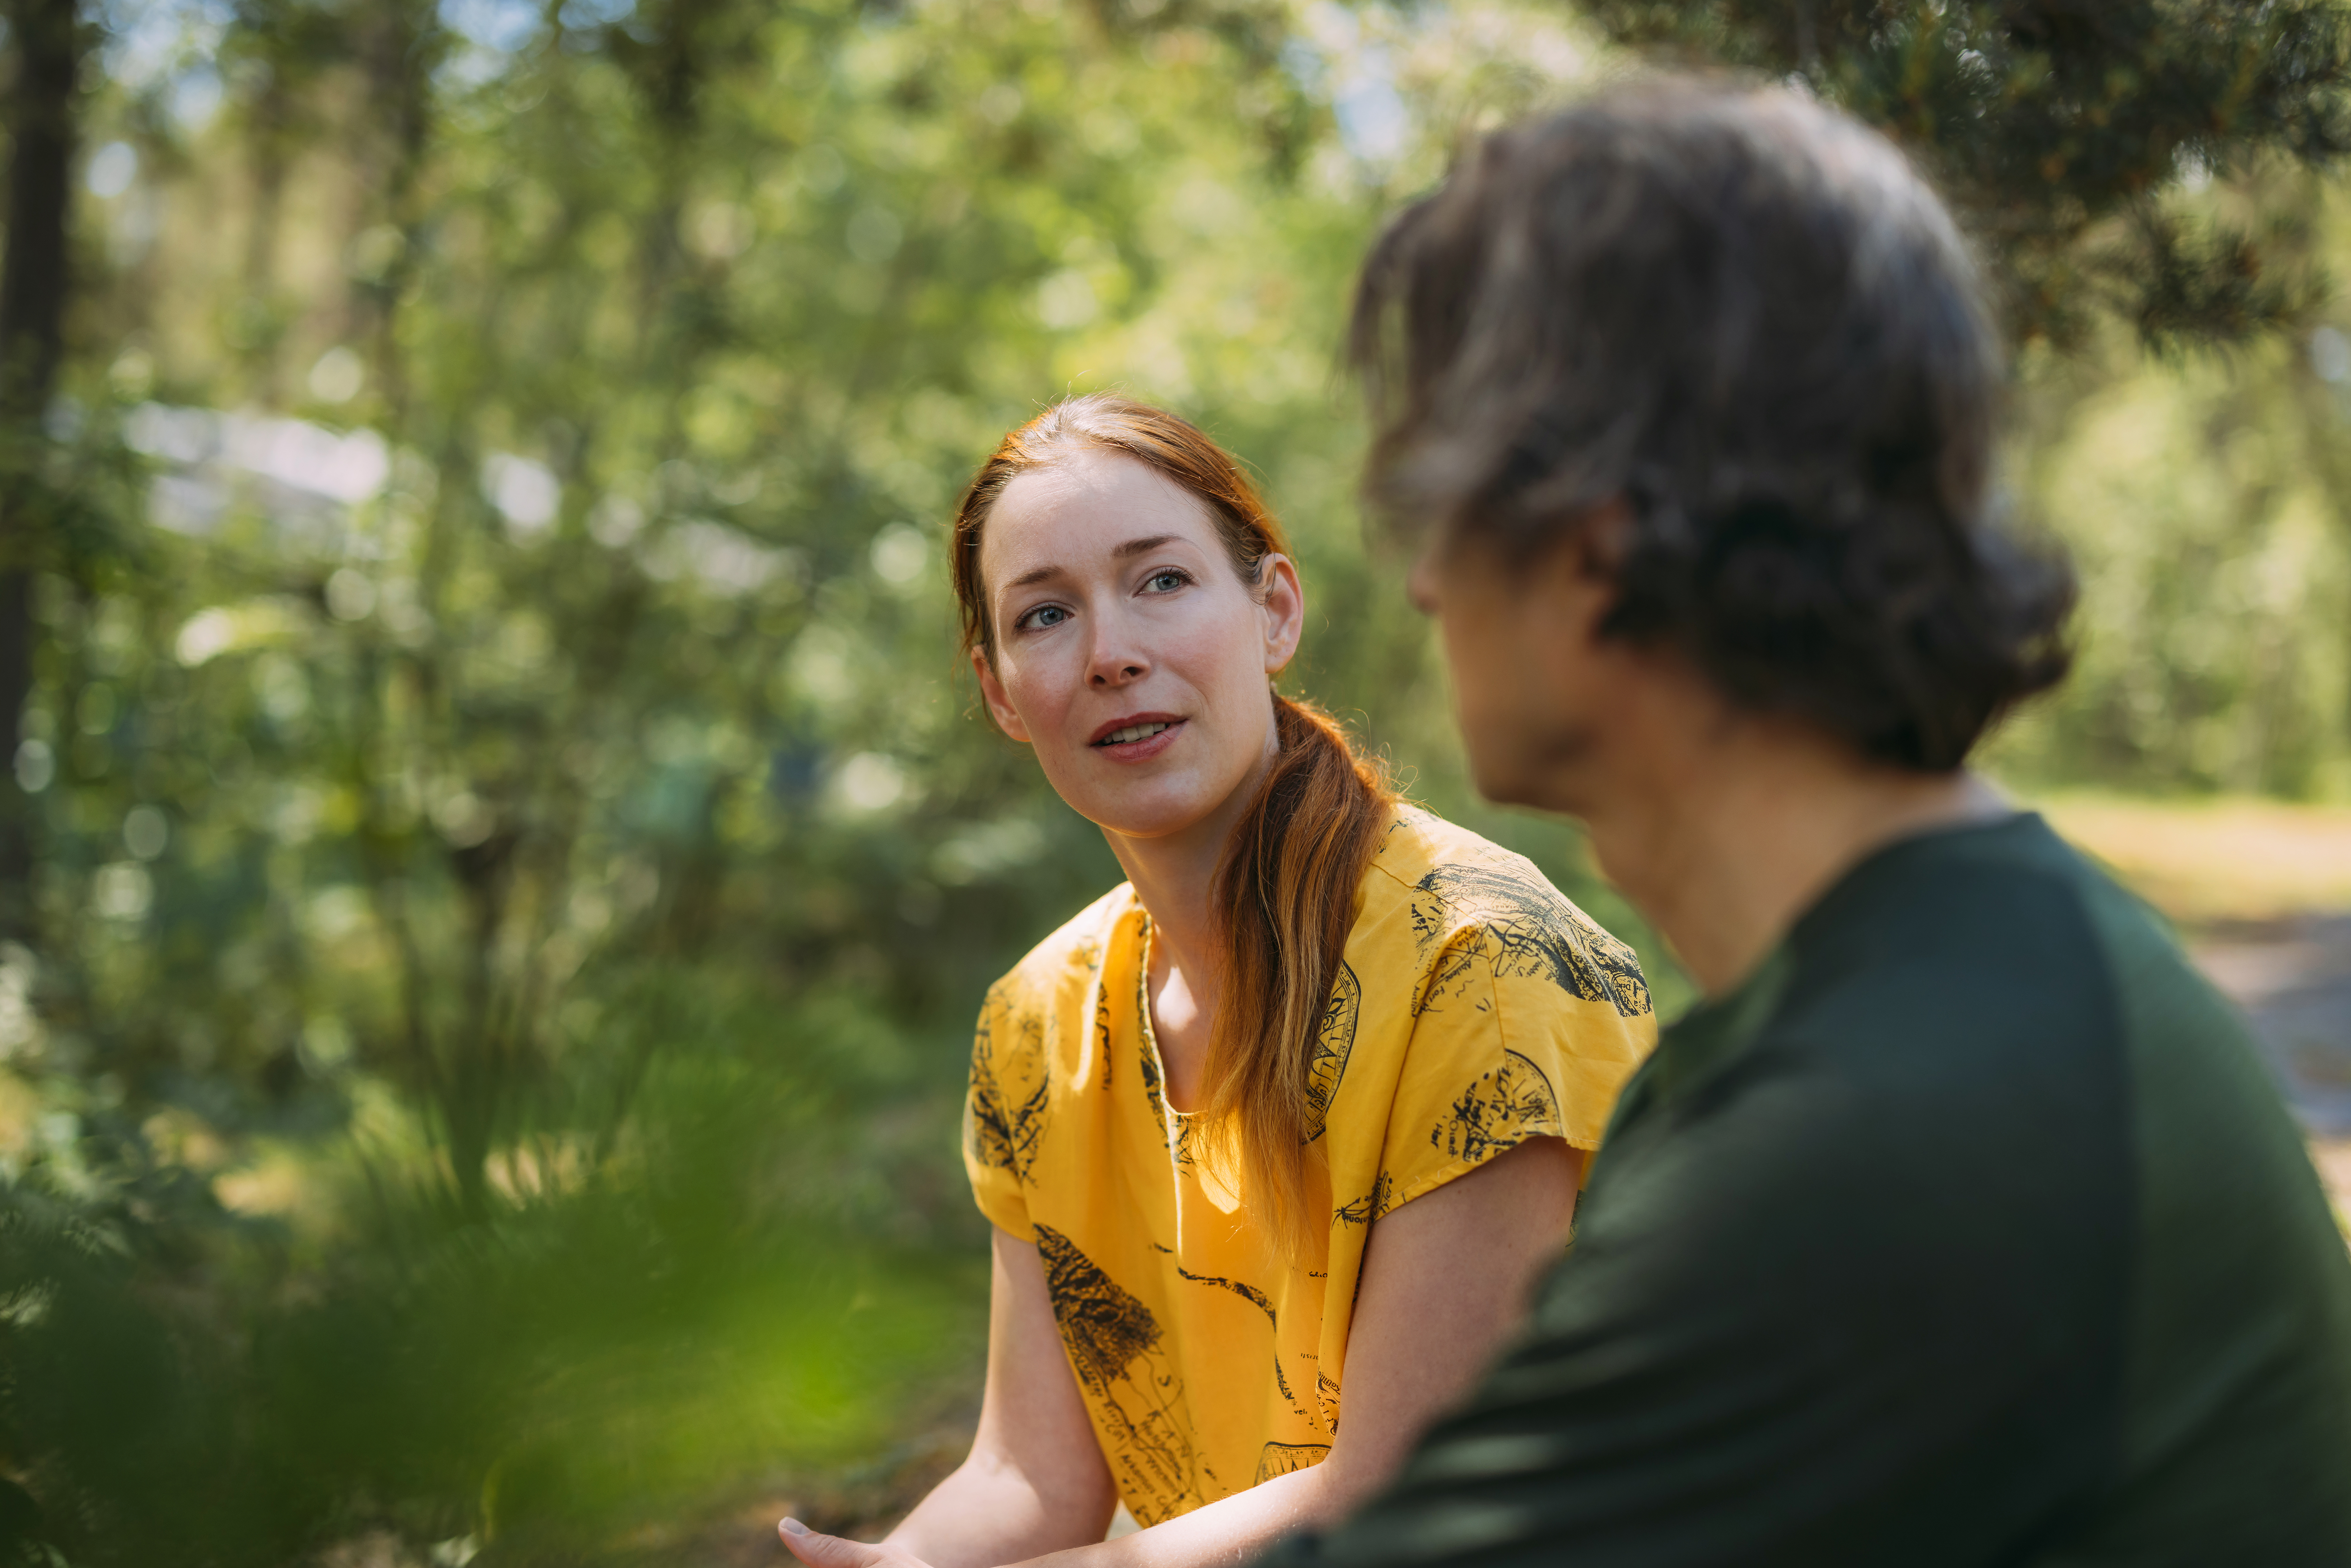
x,y
1477,1007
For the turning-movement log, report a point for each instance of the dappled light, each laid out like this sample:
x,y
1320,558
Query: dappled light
x,y
512,856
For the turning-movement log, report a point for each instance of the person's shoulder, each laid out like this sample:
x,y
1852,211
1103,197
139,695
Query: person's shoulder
x,y
1072,951
1987,975
2002,917
1422,852
1457,892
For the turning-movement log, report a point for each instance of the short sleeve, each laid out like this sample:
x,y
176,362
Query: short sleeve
x,y
1502,1051
999,1131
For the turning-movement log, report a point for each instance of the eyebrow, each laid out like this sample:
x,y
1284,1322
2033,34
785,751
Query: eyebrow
x,y
1121,552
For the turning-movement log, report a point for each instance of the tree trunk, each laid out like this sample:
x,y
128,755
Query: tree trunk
x,y
33,285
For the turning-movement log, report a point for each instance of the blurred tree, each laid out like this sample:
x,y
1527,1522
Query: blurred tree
x,y
41,90
517,859
518,865
2207,504
2058,125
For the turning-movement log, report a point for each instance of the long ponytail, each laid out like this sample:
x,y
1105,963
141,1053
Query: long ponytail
x,y
1286,897
1287,889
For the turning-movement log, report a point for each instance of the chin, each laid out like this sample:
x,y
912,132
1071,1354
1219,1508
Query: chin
x,y
1147,812
1547,762
1132,824
1520,780
1503,788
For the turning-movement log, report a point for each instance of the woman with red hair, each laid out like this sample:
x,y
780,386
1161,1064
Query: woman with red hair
x,y
1281,1128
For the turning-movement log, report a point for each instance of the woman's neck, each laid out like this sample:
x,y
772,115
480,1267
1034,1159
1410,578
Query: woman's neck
x,y
1175,880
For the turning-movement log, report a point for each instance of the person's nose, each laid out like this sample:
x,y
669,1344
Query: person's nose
x,y
1116,659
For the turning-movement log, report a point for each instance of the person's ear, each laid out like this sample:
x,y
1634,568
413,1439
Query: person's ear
x,y
1421,585
1602,538
1590,564
1284,606
1000,706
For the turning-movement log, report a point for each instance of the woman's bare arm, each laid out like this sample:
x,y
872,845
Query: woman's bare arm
x,y
1445,1280
1035,1481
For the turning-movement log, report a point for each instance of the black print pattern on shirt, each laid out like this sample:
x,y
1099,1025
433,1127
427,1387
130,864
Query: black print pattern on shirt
x,y
1151,1091
1371,1205
1523,929
1333,1042
1101,1038
1504,1109
1115,1349
1326,1395
1009,1093
1256,1299
1282,1458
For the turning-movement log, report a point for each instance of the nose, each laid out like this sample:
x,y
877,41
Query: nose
x,y
1114,660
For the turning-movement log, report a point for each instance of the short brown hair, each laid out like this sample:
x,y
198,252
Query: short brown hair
x,y
1746,316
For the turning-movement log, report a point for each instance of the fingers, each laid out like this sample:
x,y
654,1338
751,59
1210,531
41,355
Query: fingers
x,y
825,1551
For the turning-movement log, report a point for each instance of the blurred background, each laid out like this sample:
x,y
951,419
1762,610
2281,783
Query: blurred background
x,y
499,863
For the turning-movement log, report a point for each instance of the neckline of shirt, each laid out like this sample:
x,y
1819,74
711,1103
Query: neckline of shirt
x,y
1143,1013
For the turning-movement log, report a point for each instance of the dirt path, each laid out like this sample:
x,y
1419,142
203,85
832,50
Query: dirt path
x,y
2292,978
2263,890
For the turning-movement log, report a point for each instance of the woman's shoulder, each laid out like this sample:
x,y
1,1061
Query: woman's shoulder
x,y
1072,952
1455,878
1453,890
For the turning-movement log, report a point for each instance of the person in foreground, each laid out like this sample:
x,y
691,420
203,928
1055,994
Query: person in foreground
x,y
1284,1124
1959,1223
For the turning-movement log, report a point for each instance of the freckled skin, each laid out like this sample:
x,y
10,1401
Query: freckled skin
x,y
1171,631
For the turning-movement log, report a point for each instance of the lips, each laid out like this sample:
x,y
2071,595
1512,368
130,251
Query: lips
x,y
1133,730
1137,738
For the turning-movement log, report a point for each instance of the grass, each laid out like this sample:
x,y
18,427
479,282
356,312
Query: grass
x,y
2222,861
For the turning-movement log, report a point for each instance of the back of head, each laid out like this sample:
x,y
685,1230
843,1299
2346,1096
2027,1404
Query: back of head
x,y
1746,316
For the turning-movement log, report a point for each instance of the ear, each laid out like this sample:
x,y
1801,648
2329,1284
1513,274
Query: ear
x,y
1000,706
1583,571
1603,537
1284,606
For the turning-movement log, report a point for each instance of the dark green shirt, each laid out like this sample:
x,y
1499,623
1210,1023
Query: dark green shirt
x,y
1969,1230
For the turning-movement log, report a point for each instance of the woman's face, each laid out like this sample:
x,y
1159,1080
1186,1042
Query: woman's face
x,y
1129,653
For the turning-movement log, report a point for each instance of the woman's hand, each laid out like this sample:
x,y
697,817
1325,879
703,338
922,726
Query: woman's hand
x,y
1444,1281
832,1551
1035,1482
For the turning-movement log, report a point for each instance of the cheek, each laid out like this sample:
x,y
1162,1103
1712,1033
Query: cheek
x,y
1038,688
1469,649
1223,661
1227,648
1494,681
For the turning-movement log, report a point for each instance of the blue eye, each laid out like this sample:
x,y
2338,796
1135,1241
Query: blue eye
x,y
1045,615
1166,581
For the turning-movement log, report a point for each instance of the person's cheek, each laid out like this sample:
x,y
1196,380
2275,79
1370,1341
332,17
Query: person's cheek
x,y
1046,689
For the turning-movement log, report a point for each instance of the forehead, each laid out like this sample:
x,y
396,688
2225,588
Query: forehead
x,y
1080,508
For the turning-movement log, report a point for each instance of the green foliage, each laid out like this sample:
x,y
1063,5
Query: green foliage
x,y
518,859
2208,532
550,1381
2057,127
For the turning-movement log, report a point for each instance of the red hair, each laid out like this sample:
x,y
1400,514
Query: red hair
x,y
1285,892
